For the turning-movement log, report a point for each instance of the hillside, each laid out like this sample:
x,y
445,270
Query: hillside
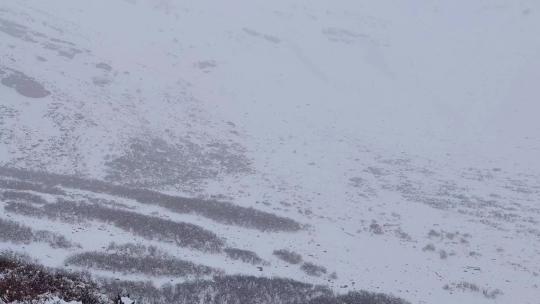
x,y
339,151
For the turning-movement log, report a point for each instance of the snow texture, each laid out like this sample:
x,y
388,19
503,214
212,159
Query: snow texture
x,y
386,146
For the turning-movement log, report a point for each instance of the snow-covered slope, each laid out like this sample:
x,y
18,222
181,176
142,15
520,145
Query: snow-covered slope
x,y
392,145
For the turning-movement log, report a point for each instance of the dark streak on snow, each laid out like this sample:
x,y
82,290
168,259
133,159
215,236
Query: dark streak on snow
x,y
24,85
147,264
222,212
149,227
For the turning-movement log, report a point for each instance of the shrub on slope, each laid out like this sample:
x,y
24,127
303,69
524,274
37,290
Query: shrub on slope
x,y
24,282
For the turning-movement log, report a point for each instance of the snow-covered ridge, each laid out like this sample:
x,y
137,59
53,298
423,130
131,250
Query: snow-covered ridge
x,y
351,144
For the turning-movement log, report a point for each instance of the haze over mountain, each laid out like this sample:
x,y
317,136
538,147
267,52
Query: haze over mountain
x,y
385,146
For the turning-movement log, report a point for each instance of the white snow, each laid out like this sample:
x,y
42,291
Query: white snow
x,y
351,112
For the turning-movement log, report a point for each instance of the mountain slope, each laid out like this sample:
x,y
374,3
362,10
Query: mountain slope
x,y
349,144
